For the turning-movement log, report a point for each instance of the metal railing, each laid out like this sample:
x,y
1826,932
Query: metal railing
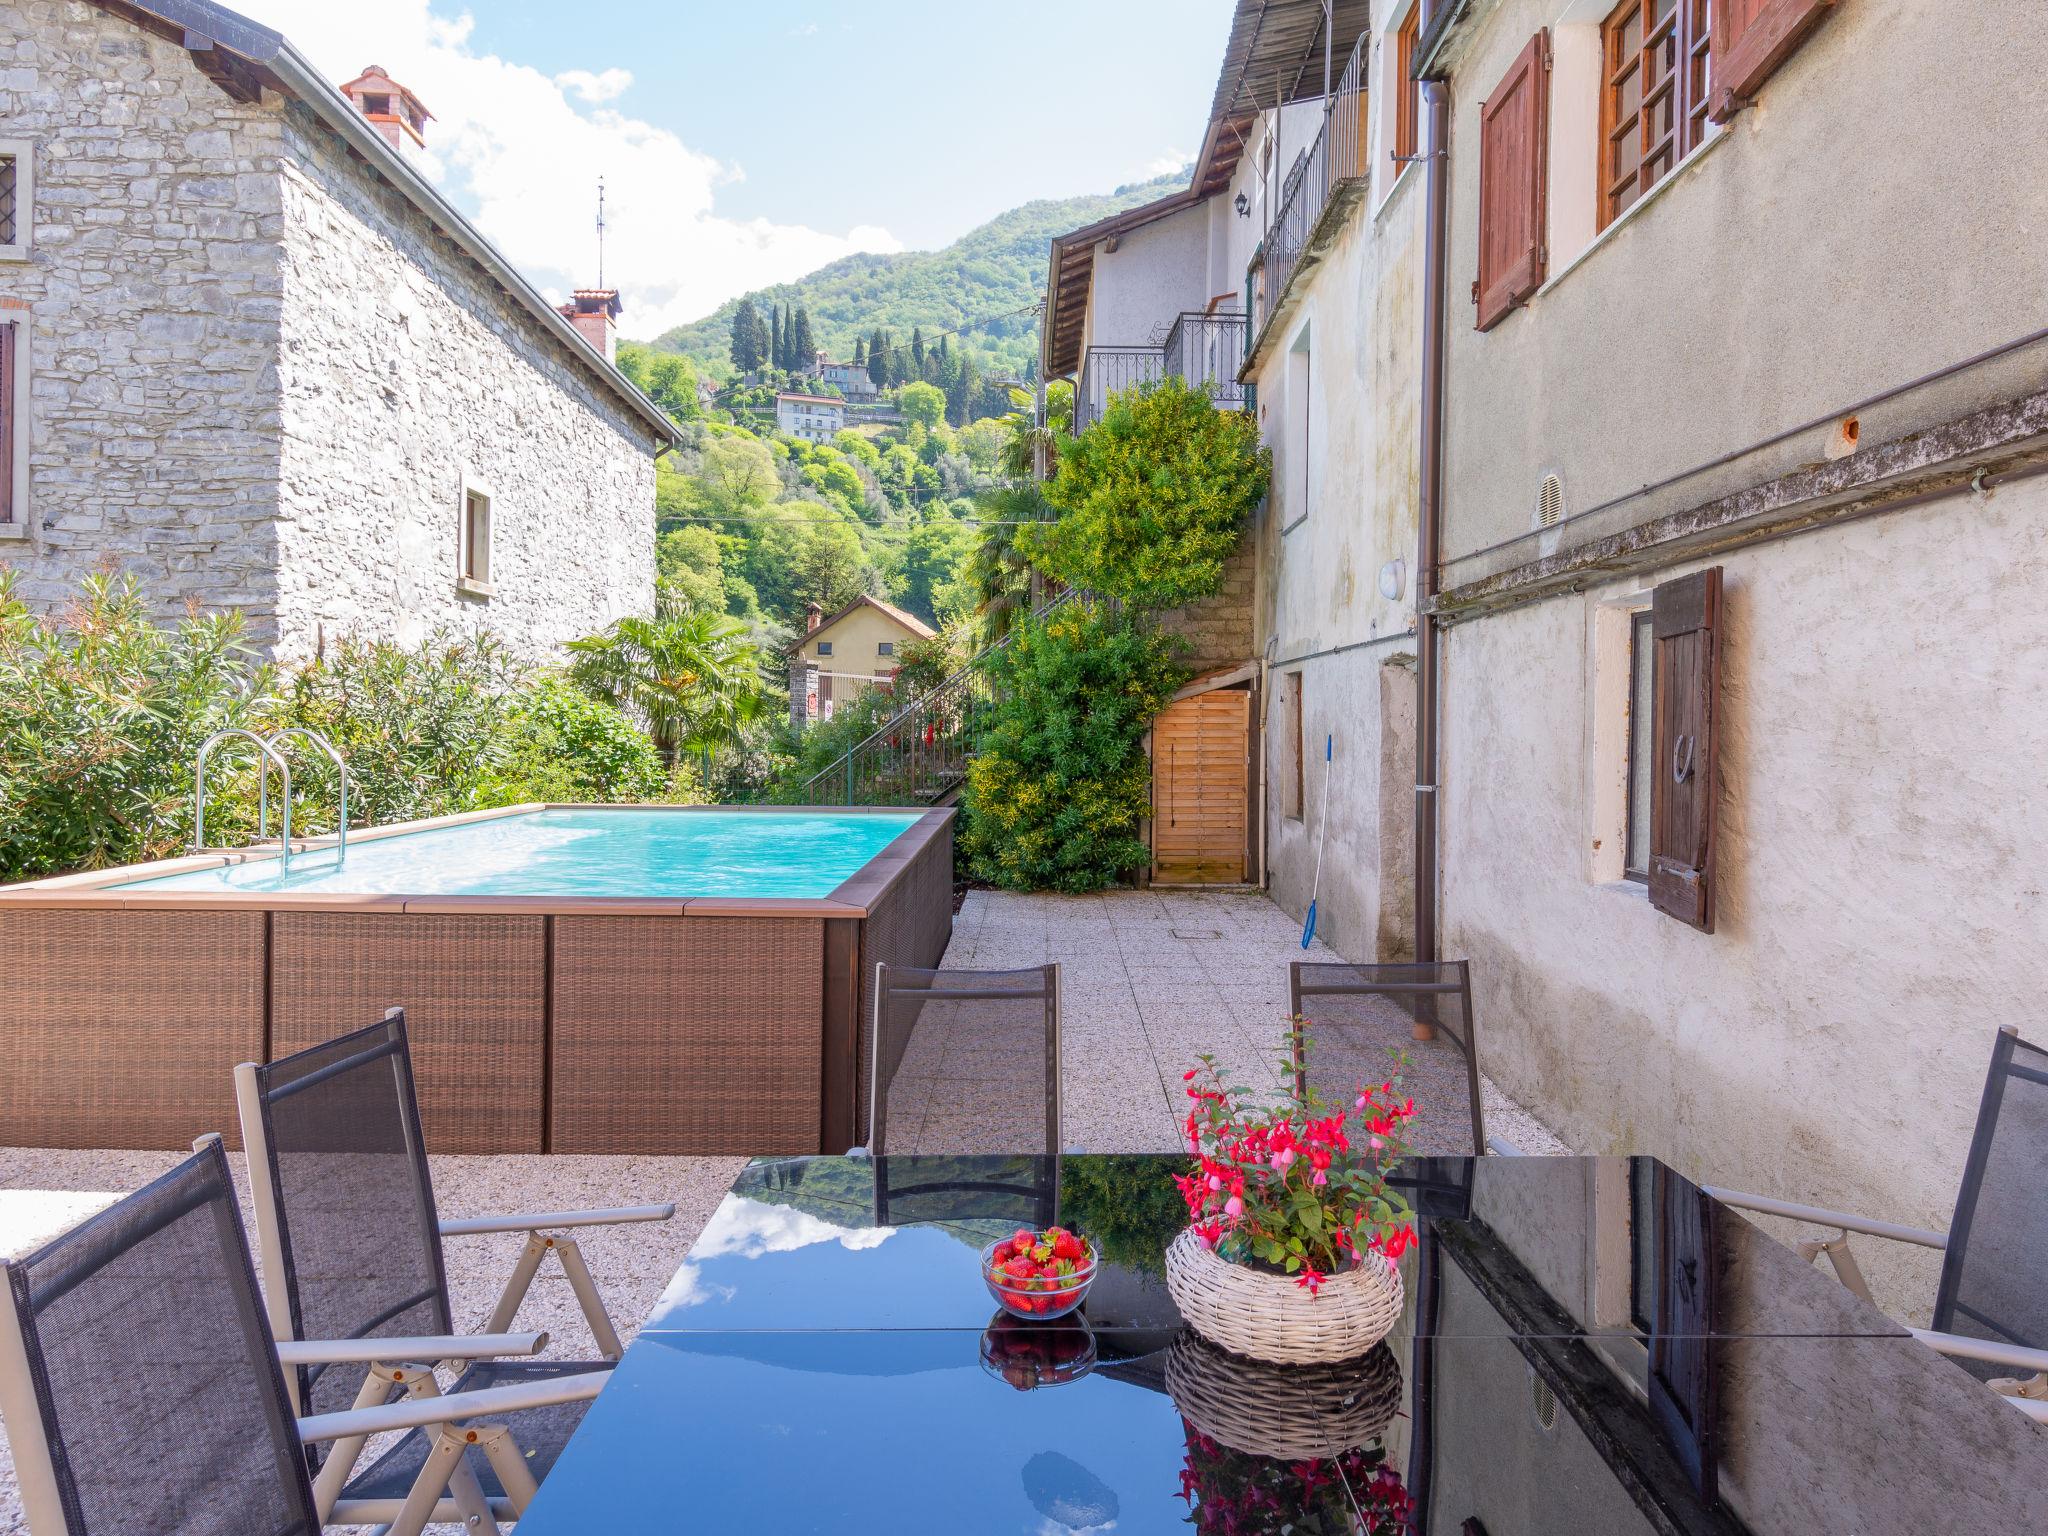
x,y
1338,155
1107,371
1203,351
919,755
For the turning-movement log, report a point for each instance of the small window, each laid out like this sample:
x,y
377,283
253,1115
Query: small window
x,y
1635,862
824,647
1407,93
17,199
474,564
1655,67
13,424
886,648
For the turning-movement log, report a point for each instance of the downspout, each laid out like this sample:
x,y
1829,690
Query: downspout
x,y
1436,96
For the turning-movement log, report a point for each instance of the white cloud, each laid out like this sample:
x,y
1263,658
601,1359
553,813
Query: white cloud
x,y
605,86
513,148
1161,165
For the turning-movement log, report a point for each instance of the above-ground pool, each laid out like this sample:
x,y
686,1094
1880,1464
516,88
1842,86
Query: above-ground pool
x,y
621,851
620,979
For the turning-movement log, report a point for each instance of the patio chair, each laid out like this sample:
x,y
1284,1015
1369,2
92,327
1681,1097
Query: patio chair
x,y
965,1061
351,1246
142,1395
1991,1307
1358,1013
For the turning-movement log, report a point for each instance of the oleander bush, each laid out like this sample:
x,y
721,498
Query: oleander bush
x,y
103,710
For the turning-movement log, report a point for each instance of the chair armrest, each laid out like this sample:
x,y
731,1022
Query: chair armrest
x,y
1820,1216
420,1412
1990,1351
474,1346
547,1221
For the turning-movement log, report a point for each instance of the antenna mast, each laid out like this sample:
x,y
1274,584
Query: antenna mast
x,y
600,231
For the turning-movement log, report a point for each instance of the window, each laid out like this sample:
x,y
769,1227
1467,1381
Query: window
x,y
1407,93
13,424
886,648
17,199
1514,134
1655,67
1291,779
1299,447
1635,862
824,647
473,555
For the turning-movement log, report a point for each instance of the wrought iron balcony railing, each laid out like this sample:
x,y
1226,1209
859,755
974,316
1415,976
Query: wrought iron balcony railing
x,y
1203,351
1337,156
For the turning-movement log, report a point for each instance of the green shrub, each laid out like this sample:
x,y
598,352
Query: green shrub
x,y
1153,498
562,744
1061,781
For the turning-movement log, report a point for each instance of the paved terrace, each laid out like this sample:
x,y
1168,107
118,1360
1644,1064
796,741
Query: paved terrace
x,y
1149,981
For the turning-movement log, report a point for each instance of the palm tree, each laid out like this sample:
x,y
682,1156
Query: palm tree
x,y
998,572
693,675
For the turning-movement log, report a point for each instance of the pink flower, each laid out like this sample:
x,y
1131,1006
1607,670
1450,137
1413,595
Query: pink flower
x,y
1359,1103
1233,1206
1321,1178
1283,1158
1215,1181
1377,1143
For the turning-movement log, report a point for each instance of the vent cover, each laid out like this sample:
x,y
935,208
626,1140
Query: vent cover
x,y
1545,1402
1550,502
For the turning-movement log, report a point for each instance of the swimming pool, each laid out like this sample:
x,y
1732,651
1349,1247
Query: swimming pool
x,y
613,851
588,979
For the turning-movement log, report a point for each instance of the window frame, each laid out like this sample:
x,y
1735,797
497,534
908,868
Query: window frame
x,y
22,153
1687,34
824,649
14,423
885,647
1635,862
471,578
1407,91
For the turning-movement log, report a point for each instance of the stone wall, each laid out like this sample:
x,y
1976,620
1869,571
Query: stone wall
x,y
153,290
1218,629
402,366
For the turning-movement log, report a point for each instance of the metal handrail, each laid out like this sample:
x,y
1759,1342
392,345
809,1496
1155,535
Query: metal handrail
x,y
340,767
284,768
1336,156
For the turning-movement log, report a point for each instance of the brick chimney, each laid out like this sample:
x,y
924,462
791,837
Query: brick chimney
x,y
812,614
398,114
594,313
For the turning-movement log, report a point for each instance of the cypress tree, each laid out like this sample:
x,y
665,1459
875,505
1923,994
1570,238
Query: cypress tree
x,y
860,351
917,349
776,348
746,337
805,346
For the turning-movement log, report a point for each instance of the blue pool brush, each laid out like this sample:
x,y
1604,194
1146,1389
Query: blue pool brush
x,y
1308,929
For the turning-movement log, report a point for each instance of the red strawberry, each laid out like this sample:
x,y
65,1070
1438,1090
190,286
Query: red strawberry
x,y
1023,1239
1067,1247
1019,1269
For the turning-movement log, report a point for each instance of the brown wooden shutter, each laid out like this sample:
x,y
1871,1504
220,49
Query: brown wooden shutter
x,y
1684,620
1514,154
8,331
1752,38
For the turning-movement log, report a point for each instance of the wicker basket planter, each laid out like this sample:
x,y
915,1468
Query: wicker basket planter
x,y
1270,1317
1239,1403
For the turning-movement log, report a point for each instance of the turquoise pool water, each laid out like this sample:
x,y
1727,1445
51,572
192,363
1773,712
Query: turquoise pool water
x,y
622,852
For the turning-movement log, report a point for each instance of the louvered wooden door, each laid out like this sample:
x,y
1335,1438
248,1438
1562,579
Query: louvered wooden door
x,y
1199,790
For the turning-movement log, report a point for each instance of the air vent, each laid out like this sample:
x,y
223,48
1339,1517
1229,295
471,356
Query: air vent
x,y
1545,1402
1550,502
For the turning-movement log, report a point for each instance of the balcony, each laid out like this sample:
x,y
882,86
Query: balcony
x,y
1326,181
1203,351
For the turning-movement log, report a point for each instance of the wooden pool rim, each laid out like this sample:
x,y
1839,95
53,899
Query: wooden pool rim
x,y
588,1024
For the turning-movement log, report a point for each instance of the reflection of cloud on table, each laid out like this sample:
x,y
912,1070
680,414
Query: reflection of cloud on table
x,y
748,1229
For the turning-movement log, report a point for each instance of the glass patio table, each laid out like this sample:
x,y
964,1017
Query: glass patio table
x,y
1589,1346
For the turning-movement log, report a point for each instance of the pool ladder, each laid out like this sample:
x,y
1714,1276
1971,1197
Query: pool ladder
x,y
271,751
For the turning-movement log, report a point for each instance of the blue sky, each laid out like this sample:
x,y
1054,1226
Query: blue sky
x,y
749,144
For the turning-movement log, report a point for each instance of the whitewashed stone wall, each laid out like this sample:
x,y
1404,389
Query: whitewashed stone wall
x,y
153,287
401,363
258,373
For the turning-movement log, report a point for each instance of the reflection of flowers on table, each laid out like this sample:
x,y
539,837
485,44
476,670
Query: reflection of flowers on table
x,y
1233,1493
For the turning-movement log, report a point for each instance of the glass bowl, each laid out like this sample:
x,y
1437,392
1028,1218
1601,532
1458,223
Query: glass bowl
x,y
1037,1298
1028,1357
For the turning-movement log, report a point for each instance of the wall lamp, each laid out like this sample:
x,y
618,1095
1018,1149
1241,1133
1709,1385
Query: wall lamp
x,y
1243,206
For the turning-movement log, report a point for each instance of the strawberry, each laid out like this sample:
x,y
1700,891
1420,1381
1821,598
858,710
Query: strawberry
x,y
1067,1248
1042,1252
1023,1240
1019,1269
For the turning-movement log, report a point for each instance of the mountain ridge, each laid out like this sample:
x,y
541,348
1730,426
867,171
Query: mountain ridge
x,y
973,288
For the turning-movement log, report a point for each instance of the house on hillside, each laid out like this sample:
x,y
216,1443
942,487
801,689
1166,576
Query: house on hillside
x,y
1663,557
850,379
841,657
814,418
251,355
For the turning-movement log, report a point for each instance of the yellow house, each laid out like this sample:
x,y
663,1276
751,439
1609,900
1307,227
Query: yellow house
x,y
842,657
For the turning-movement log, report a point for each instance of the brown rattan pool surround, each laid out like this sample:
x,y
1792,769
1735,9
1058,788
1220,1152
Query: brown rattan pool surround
x,y
654,1025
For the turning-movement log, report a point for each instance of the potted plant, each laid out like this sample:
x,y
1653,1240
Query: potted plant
x,y
1237,1493
1293,1234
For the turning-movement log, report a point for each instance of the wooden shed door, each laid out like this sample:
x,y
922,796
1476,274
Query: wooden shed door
x,y
1199,790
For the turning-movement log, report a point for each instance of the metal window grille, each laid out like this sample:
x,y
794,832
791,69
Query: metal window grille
x,y
8,220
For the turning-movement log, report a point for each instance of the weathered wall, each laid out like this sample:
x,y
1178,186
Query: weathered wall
x,y
1217,631
1828,247
402,363
153,285
1880,909
1320,607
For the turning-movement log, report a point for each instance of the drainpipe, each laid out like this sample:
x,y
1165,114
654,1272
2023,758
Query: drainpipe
x,y
1436,99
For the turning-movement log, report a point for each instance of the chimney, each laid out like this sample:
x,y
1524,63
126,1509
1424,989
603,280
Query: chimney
x,y
396,113
812,614
594,313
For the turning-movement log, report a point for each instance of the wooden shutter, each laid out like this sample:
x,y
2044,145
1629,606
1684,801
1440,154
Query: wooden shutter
x,y
9,329
1514,143
1752,38
1684,622
1200,783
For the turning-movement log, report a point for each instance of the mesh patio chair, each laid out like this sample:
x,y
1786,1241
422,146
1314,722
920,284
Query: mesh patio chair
x,y
142,1395
965,1061
351,1246
1991,1308
1357,1014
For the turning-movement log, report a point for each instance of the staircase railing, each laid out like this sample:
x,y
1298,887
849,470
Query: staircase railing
x,y
919,755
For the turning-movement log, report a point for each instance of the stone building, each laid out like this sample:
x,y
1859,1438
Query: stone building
x,y
252,356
